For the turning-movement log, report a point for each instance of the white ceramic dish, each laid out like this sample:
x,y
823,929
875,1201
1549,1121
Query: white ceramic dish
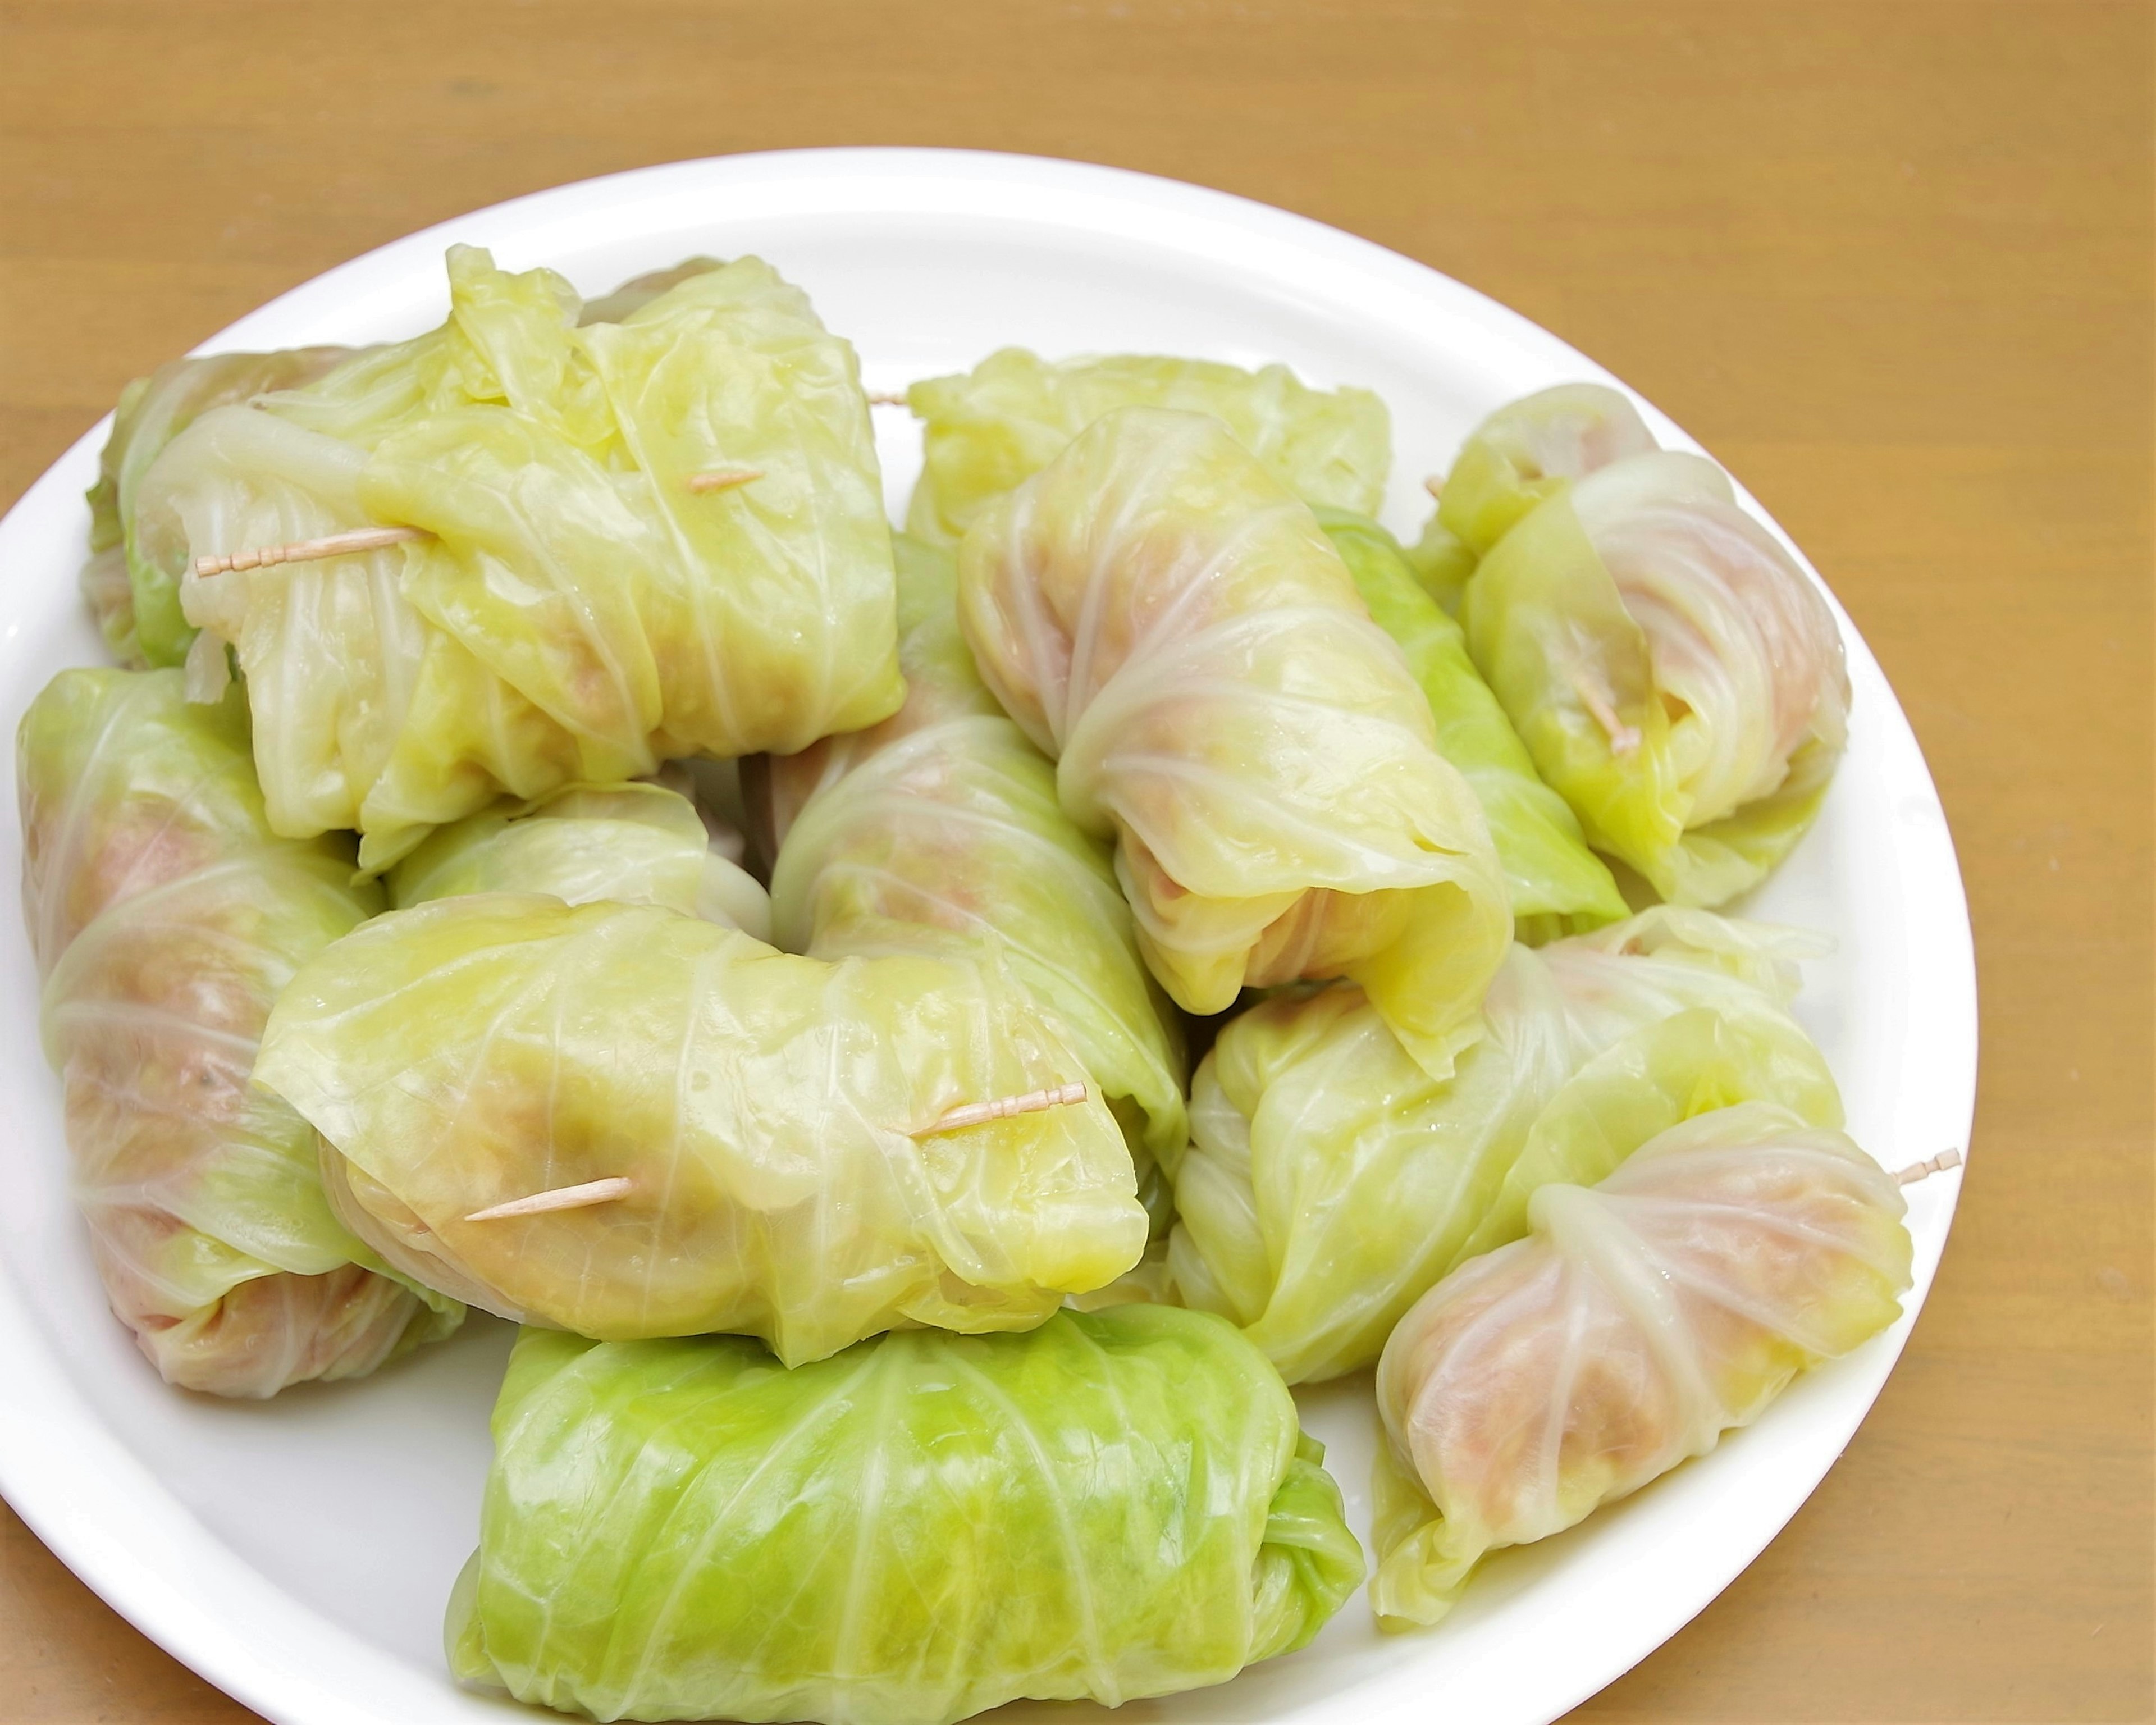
x,y
298,1554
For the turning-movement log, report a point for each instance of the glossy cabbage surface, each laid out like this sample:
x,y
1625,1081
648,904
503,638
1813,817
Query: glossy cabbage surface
x,y
135,598
1530,450
632,844
764,1107
1556,884
166,917
939,830
1675,675
1331,1181
1644,1316
924,1526
1161,614
578,614
639,291
987,431
1441,564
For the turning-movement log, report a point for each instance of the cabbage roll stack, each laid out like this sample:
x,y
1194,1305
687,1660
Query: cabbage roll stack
x,y
1331,1181
1676,677
1157,610
939,830
726,1138
636,844
166,917
1110,1506
637,540
988,431
1646,1316
1557,885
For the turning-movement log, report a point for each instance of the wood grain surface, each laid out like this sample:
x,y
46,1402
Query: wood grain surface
x,y
1891,259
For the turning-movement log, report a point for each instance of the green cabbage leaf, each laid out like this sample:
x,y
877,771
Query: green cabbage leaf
x,y
1110,1506
769,1115
576,612
1676,677
1331,1181
1645,1315
636,844
165,918
939,830
1557,885
135,598
1157,610
989,430
1528,451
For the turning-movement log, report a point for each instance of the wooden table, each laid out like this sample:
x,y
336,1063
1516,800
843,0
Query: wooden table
x,y
1890,259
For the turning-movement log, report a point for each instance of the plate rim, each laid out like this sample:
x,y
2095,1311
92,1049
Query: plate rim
x,y
43,1480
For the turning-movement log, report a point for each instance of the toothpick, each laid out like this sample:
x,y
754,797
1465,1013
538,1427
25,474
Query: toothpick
x,y
606,1191
561,1198
882,399
308,551
1034,1101
1435,484
1938,1164
723,478
1624,738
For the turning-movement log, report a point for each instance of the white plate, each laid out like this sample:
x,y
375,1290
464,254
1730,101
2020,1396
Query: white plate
x,y
298,1554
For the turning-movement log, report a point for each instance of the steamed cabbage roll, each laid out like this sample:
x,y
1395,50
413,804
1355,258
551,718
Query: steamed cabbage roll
x,y
166,917
989,430
641,540
1525,452
632,844
1530,450
1331,1181
1646,1316
1557,885
1675,675
135,600
1158,611
1110,1506
763,1123
939,828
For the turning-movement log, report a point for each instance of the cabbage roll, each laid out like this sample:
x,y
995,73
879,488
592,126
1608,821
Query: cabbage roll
x,y
1331,1181
986,432
924,1526
164,918
1646,1316
768,1118
1530,450
136,601
641,540
1157,610
634,844
1557,885
939,828
1675,675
